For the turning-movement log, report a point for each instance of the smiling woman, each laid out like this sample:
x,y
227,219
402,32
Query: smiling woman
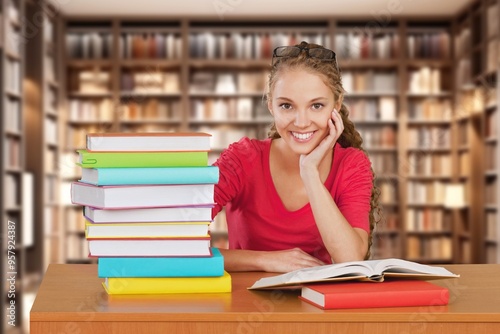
x,y
305,196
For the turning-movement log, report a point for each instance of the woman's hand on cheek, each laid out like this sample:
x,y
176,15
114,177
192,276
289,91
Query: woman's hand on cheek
x,y
312,160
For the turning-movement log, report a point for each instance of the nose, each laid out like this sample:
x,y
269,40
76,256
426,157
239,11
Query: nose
x,y
302,119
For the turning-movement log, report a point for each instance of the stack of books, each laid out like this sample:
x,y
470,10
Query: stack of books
x,y
148,202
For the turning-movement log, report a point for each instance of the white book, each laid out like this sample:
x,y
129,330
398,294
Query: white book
x,y
257,45
387,108
210,45
141,196
148,142
247,46
173,214
150,247
244,109
170,46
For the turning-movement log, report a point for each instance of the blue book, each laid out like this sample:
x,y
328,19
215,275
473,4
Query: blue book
x,y
158,175
162,266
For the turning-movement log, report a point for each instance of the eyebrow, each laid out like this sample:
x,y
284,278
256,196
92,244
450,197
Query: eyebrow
x,y
313,100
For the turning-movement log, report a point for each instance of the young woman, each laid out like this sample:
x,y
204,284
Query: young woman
x,y
305,196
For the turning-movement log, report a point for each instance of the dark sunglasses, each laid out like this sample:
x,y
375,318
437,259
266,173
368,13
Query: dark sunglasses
x,y
294,51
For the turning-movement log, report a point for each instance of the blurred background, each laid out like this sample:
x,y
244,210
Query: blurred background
x,y
422,88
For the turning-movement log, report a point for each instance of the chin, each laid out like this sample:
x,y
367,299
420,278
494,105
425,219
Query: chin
x,y
302,148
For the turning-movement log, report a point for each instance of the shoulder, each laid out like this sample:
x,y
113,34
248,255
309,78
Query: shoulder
x,y
350,156
244,153
247,146
353,165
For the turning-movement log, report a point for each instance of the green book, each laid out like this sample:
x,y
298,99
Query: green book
x,y
142,159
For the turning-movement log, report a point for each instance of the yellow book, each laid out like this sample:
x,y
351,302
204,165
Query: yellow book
x,y
166,285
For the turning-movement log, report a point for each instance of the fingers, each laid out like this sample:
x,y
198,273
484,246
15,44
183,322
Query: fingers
x,y
305,260
337,122
289,260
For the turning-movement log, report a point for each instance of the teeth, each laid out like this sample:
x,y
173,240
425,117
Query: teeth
x,y
302,136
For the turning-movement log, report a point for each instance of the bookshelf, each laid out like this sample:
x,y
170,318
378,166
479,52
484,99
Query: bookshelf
x,y
90,103
488,78
150,56
477,120
42,121
429,225
406,84
369,62
14,179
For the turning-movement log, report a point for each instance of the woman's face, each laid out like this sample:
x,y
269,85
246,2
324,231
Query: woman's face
x,y
301,104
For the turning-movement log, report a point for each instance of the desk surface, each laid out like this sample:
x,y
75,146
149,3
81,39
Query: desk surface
x,y
72,295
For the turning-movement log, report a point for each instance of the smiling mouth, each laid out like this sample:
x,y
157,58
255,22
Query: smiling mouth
x,y
302,136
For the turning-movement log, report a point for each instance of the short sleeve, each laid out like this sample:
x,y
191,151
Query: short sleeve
x,y
234,165
355,192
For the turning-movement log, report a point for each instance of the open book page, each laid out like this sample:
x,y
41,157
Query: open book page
x,y
361,270
398,267
346,270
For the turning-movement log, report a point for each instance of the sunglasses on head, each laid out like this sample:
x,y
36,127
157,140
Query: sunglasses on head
x,y
294,51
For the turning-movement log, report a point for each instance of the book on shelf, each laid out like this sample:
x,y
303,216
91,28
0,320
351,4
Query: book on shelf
x,y
369,270
434,45
492,24
162,266
152,141
146,230
157,175
150,247
367,46
173,214
387,108
396,293
166,285
91,110
151,45
88,45
150,82
137,196
93,81
89,159
429,247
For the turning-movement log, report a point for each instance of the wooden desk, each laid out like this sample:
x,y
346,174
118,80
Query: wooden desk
x,y
72,300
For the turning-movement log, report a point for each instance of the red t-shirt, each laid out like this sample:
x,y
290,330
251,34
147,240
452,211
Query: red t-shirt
x,y
256,216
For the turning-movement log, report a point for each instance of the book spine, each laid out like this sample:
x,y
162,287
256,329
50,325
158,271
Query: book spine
x,y
142,196
387,299
160,285
135,159
161,267
172,175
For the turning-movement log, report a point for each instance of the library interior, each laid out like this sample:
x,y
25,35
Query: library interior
x,y
421,87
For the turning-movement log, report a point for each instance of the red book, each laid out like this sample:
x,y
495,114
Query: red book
x,y
370,294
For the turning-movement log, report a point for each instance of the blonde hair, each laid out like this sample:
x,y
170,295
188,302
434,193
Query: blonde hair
x,y
328,70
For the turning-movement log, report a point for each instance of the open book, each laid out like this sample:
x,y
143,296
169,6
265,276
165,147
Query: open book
x,y
371,270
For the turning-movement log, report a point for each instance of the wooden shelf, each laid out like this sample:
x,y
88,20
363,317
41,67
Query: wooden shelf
x,y
13,167
181,104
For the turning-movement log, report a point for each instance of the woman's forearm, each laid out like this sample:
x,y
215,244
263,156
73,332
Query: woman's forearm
x,y
241,260
343,242
280,261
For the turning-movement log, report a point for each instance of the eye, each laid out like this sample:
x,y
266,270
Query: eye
x,y
317,106
285,106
